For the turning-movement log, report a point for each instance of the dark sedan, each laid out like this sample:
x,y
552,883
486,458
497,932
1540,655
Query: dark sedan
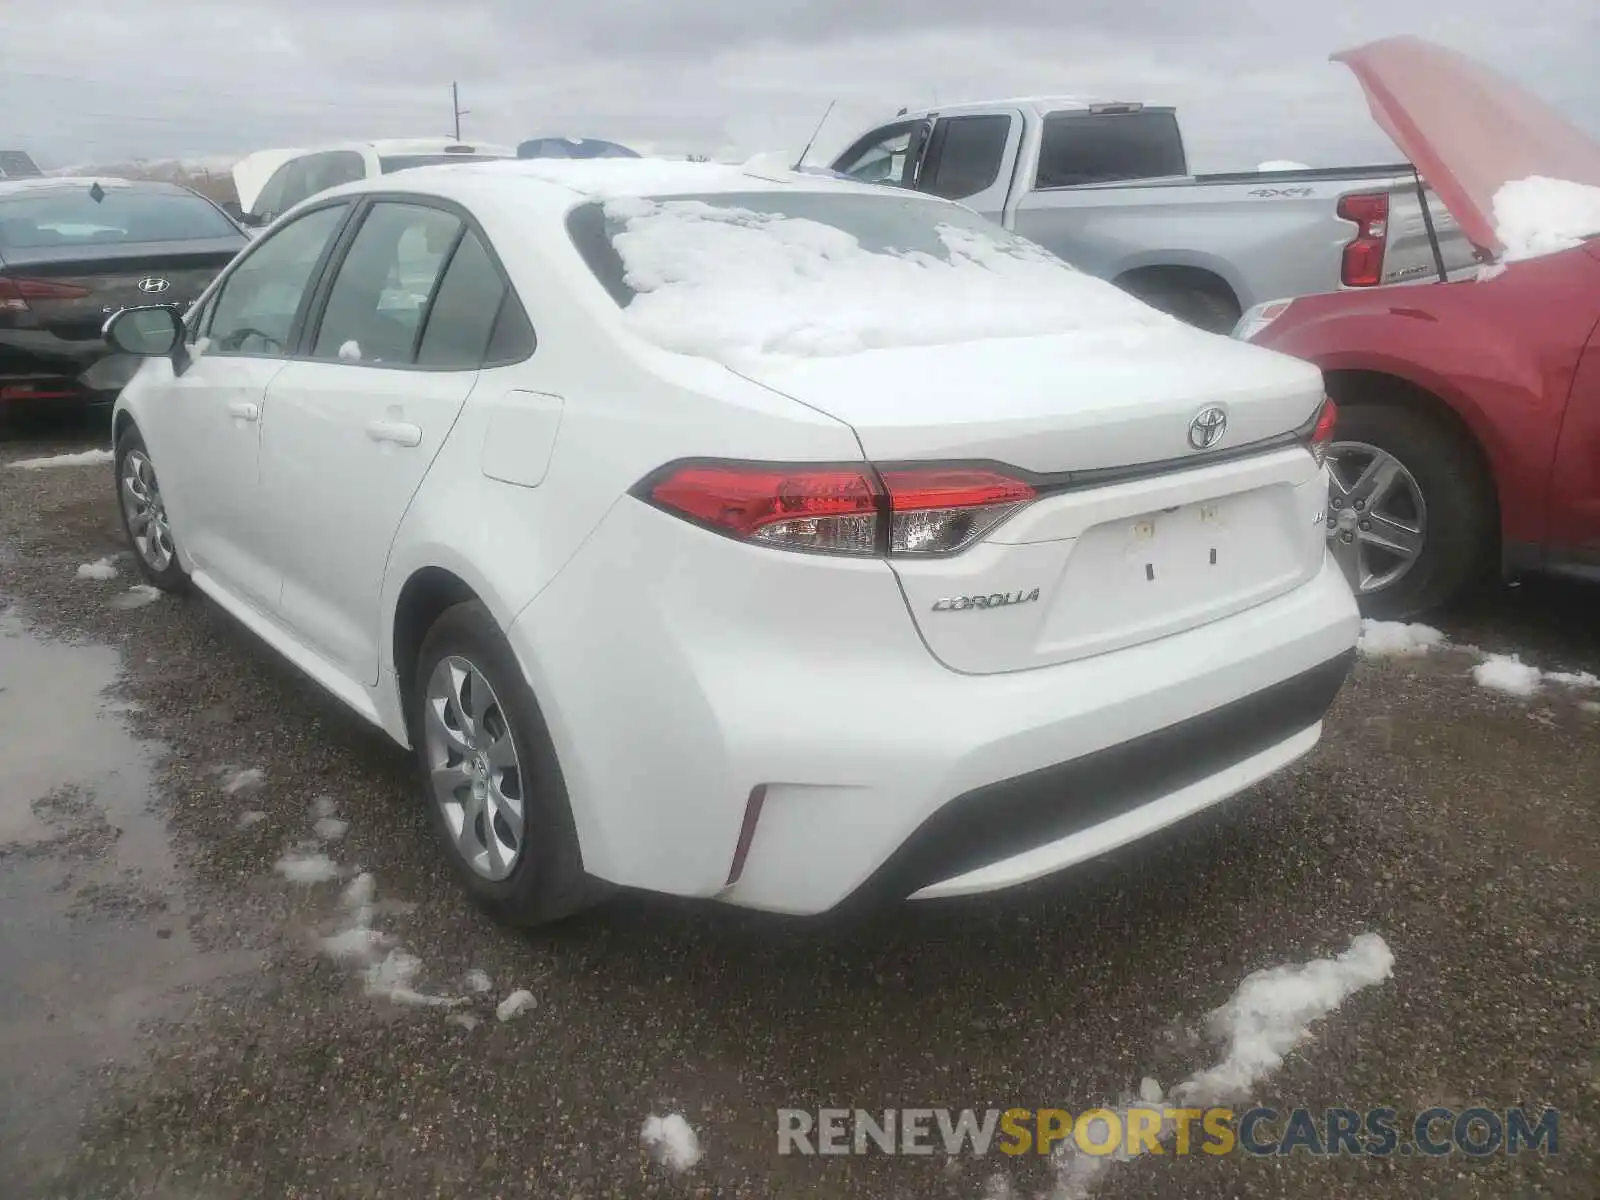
x,y
74,251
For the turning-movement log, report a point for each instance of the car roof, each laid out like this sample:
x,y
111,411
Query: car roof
x,y
561,183
79,183
383,146
1041,105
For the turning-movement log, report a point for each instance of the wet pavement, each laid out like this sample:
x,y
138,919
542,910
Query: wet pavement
x,y
172,1024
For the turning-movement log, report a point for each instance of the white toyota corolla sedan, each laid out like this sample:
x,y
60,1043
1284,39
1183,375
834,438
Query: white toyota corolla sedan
x,y
742,533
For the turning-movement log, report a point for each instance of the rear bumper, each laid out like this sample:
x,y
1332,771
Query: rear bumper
x,y
1009,832
37,366
677,682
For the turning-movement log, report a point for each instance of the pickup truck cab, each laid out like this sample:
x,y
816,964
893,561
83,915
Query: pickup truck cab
x,y
1107,187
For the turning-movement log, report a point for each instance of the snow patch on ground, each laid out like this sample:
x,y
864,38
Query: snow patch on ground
x,y
325,825
1540,215
1575,679
1270,1013
243,781
254,817
137,596
394,978
478,981
306,868
1397,639
740,286
514,1005
1507,673
1590,706
100,568
87,458
387,971
671,1142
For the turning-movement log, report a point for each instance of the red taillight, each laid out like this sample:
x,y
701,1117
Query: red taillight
x,y
841,510
15,293
940,509
1362,265
1322,430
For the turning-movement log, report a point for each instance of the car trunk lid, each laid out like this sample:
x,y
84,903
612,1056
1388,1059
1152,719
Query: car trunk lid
x,y
1151,515
71,291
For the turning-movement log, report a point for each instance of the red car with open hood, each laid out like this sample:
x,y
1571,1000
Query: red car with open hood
x,y
1468,434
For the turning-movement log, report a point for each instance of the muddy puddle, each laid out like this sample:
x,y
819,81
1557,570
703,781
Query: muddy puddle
x,y
94,947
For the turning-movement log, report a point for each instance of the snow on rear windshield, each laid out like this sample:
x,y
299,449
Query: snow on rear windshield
x,y
807,274
1537,216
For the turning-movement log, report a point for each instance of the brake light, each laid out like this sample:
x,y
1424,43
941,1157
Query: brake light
x,y
1322,430
1362,265
840,509
15,293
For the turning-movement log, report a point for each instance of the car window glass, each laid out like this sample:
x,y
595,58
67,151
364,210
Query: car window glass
x,y
375,306
966,155
512,339
1081,149
885,160
269,201
324,171
464,310
255,309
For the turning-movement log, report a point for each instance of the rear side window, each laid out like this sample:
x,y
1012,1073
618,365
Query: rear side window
x,y
465,308
375,307
965,155
1079,148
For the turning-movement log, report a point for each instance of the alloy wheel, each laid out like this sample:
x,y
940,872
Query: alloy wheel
x,y
1377,517
473,768
145,512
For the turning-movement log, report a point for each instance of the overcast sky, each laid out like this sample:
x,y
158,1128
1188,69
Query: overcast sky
x,y
86,81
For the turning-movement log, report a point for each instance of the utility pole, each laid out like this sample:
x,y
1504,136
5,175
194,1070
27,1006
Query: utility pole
x,y
455,106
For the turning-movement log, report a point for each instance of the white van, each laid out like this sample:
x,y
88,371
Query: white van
x,y
270,182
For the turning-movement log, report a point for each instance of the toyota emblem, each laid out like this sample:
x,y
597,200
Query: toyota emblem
x,y
153,285
1207,428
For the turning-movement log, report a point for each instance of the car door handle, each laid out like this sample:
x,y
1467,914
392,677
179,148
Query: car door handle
x,y
398,432
247,410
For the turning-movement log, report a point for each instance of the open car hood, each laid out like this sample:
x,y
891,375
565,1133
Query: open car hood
x,y
1468,130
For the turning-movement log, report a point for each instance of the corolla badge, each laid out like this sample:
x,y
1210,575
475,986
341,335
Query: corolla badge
x,y
153,285
1207,428
996,600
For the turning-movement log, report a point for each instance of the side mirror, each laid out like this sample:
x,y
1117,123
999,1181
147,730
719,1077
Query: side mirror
x,y
145,332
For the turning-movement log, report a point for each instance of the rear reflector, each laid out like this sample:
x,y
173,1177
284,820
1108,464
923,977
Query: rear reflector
x,y
1362,265
15,293
840,509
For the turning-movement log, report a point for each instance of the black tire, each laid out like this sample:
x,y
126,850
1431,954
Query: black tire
x,y
1203,307
1460,534
172,577
548,881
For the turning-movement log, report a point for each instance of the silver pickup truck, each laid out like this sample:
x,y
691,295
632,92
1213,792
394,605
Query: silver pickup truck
x,y
1107,187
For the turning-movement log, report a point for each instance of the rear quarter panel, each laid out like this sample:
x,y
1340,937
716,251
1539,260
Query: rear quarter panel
x,y
1501,353
1264,241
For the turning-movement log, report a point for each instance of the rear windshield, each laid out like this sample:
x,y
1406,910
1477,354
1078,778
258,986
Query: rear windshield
x,y
880,223
39,219
402,162
742,276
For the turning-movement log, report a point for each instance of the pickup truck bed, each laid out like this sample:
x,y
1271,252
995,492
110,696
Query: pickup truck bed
x,y
1107,188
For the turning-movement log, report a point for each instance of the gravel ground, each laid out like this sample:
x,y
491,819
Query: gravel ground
x,y
168,1027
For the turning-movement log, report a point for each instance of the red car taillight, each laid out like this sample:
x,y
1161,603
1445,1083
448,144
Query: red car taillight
x,y
840,509
15,293
1322,430
1362,265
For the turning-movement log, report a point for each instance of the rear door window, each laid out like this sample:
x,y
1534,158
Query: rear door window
x,y
387,279
1083,147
